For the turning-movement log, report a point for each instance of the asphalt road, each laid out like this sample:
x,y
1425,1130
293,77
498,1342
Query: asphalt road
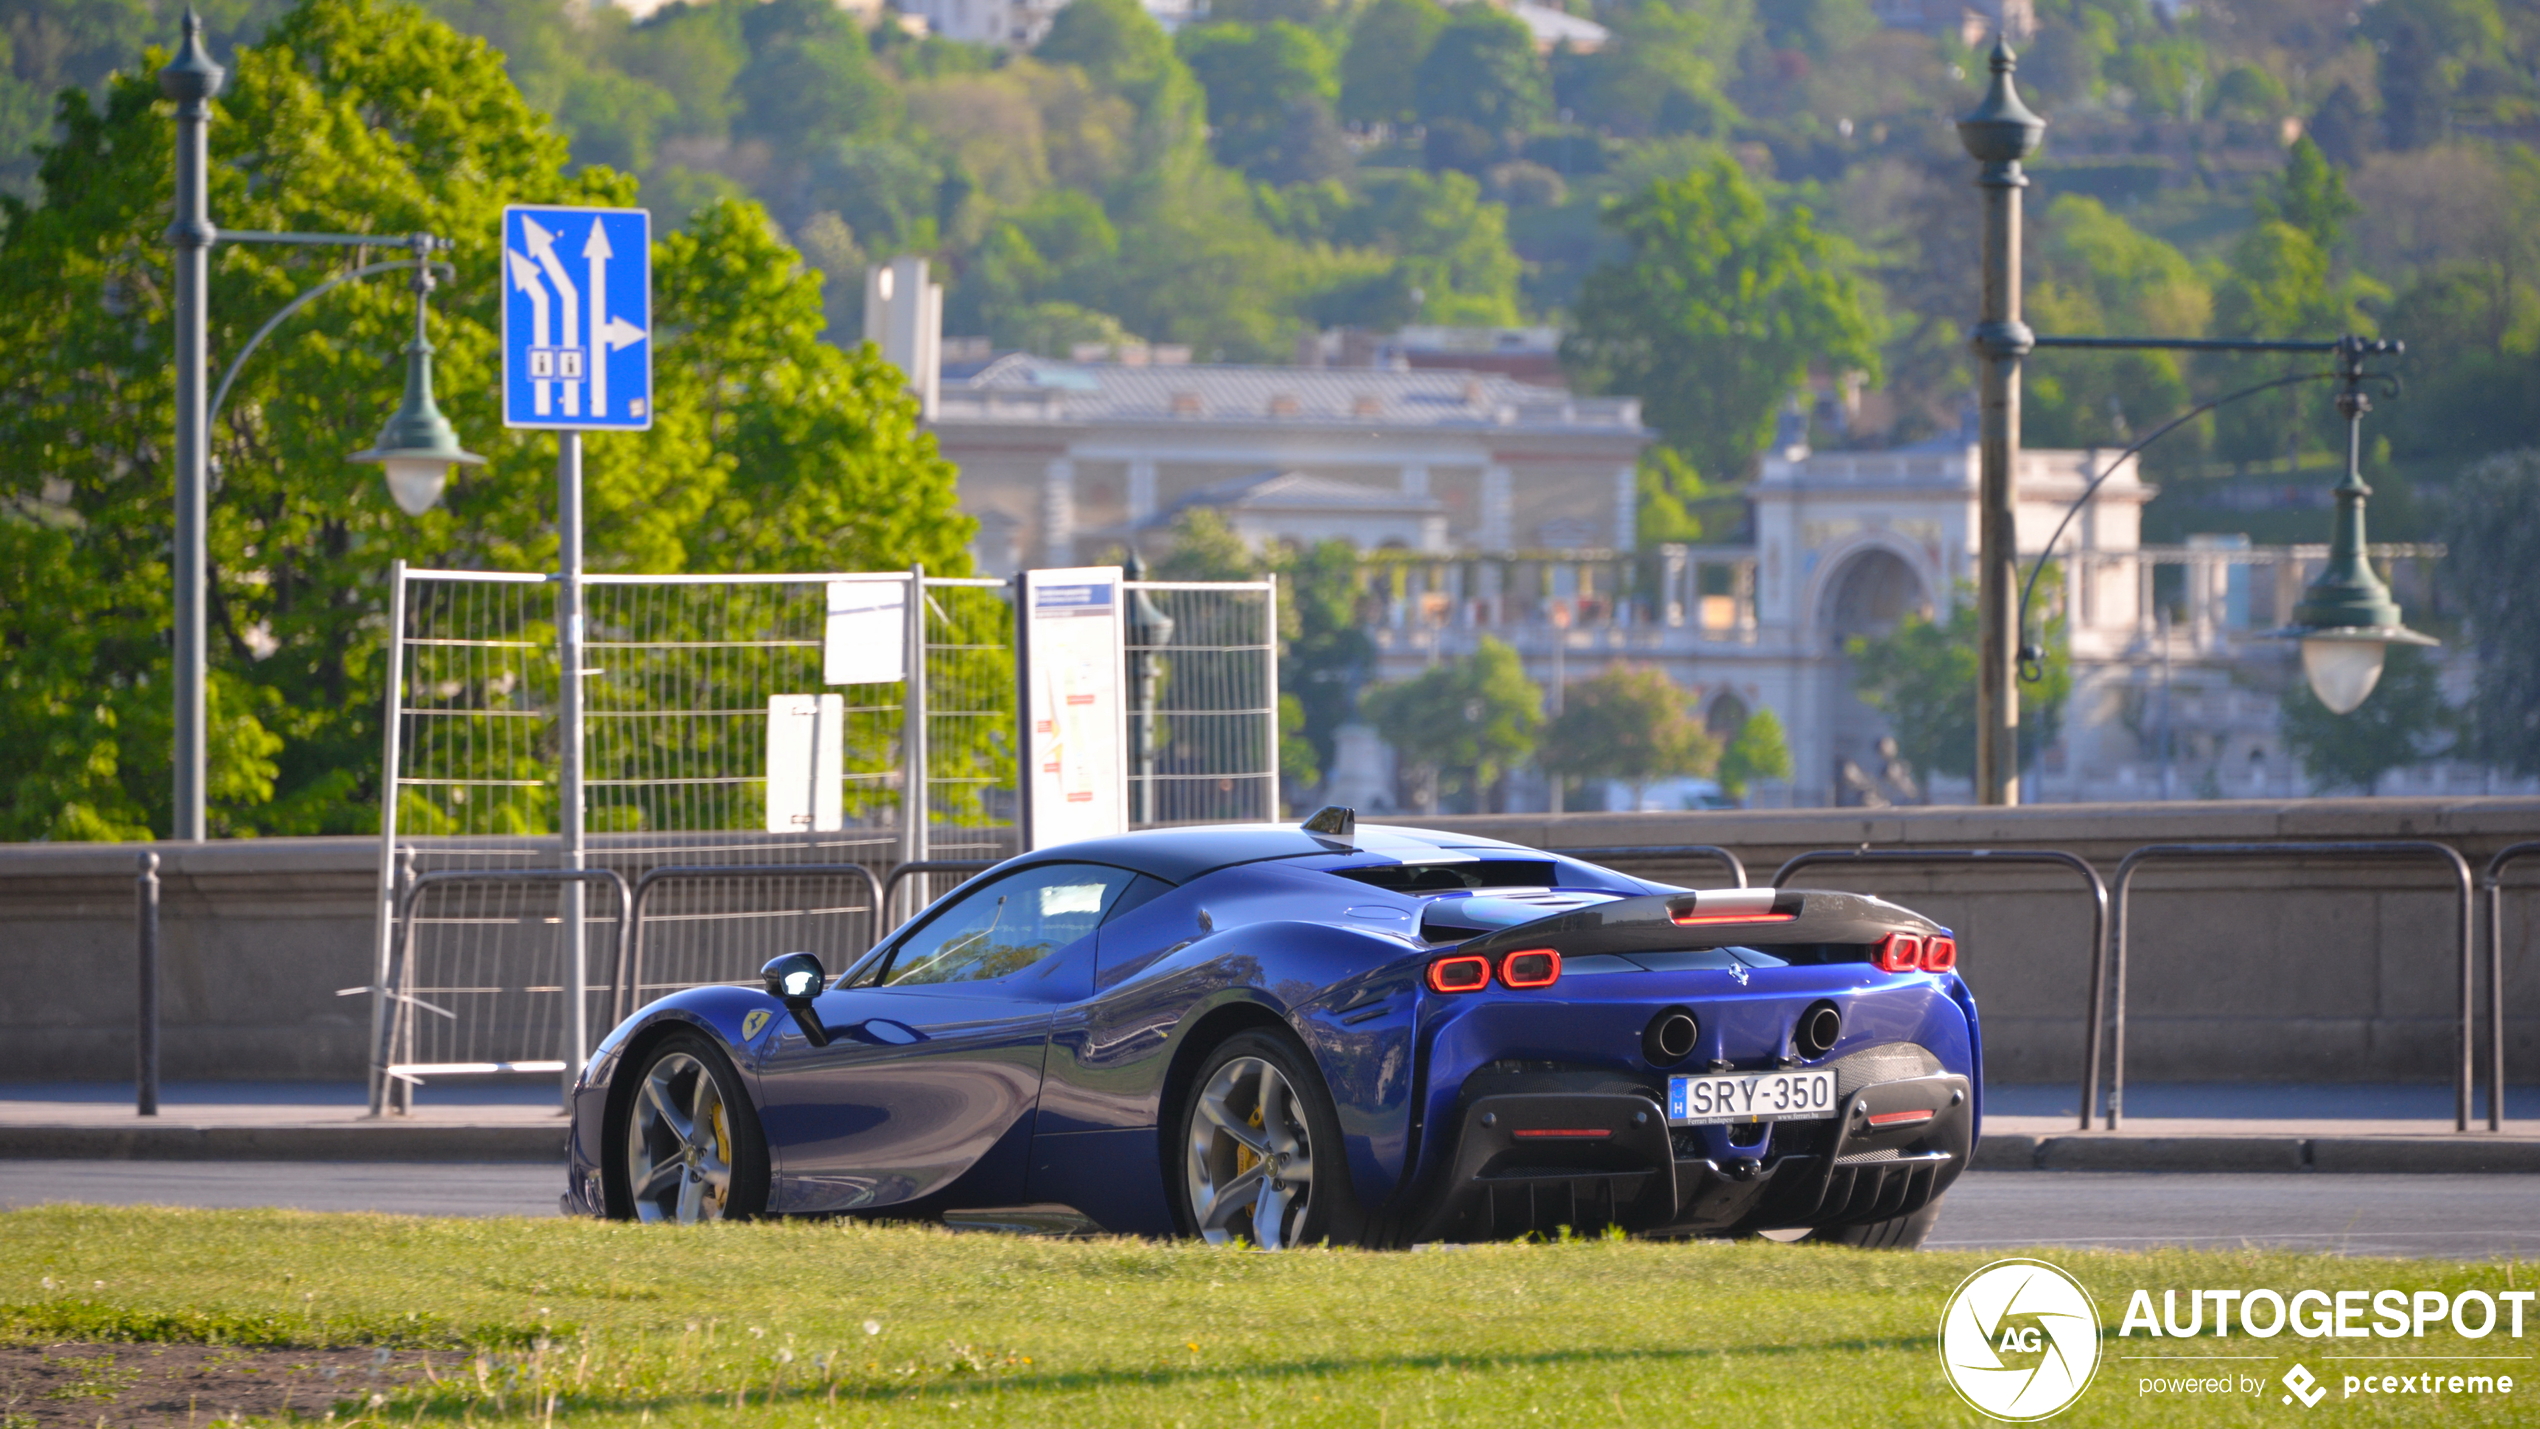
x,y
2463,1217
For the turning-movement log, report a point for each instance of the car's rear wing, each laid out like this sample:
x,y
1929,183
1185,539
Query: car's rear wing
x,y
1732,917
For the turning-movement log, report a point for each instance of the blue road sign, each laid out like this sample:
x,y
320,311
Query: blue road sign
x,y
577,318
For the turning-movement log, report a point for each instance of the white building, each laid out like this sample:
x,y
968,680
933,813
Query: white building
x,y
1021,24
1060,459
2176,692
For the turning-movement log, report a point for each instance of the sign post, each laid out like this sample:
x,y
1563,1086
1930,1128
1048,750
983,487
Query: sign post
x,y
577,356
1075,718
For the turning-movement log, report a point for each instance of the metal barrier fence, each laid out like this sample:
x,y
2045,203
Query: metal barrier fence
x,y
737,916
686,682
2493,881
2105,1025
2116,979
1206,750
2098,922
495,990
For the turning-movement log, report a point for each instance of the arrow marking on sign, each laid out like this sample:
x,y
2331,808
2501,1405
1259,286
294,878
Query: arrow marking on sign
x,y
525,278
597,253
542,246
618,332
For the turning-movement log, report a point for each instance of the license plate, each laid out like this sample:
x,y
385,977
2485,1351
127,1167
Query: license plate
x,y
1750,1096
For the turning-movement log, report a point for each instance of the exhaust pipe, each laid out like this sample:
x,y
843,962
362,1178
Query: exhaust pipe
x,y
1669,1037
1817,1030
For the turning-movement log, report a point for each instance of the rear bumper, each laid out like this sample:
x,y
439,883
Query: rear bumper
x,y
1537,1161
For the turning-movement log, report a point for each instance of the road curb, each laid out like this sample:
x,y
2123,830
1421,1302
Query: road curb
x,y
350,1141
2416,1155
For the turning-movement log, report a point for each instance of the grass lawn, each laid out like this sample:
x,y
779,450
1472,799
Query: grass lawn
x,y
830,1323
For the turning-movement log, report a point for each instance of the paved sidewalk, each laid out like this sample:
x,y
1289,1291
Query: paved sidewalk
x,y
2168,1127
280,1121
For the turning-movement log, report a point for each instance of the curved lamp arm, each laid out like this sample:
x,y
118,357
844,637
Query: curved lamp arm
x,y
221,395
2032,657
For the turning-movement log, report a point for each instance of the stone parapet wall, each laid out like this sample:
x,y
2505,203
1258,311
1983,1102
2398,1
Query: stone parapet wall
x,y
2309,970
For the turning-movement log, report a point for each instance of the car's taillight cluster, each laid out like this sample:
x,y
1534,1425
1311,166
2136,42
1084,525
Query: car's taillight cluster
x,y
1471,972
1912,952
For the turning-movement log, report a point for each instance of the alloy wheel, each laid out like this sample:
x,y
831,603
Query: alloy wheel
x,y
1251,1157
679,1143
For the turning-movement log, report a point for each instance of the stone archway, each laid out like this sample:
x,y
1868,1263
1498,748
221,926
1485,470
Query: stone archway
x,y
1865,597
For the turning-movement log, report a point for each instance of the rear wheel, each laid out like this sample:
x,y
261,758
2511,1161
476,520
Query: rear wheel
x,y
1903,1232
693,1150
1259,1149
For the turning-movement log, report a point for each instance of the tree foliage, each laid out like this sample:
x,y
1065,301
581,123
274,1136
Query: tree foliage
x,y
1717,312
2492,525
1758,751
771,449
1922,676
2406,721
1629,723
1465,722
1324,652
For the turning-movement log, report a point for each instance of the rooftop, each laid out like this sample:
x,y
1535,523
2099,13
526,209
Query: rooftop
x,y
1018,387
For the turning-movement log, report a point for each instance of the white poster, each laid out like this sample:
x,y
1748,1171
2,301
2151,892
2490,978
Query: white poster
x,y
866,639
806,763
1077,716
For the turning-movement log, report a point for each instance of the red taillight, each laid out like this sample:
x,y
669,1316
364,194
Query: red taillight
x,y
1900,952
1939,954
1700,920
1562,1133
1901,1118
1469,973
1532,967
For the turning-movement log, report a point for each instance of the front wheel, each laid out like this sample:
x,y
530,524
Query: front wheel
x,y
1260,1149
1905,1232
692,1149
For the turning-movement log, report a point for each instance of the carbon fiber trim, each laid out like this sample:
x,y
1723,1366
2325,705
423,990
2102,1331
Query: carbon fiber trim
x,y
1887,1062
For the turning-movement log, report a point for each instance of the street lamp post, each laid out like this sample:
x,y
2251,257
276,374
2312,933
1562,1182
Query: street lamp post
x,y
416,449
1999,133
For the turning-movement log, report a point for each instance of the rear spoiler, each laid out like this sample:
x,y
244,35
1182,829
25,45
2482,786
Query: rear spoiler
x,y
1731,917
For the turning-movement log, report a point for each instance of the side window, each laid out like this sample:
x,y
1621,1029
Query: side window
x,y
1007,926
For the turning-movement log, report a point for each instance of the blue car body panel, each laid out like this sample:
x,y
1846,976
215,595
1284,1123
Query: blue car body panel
x,y
1054,1084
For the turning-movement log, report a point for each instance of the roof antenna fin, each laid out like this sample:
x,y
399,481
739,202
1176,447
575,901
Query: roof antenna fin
x,y
1337,820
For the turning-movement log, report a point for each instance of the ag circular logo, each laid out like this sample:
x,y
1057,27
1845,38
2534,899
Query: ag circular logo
x,y
2019,1340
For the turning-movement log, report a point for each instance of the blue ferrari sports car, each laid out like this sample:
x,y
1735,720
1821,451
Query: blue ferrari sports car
x,y
1283,1035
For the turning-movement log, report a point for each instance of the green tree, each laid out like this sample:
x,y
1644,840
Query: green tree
x,y
810,80
1483,71
1922,676
1661,73
1469,719
1258,77
1380,69
771,449
1758,751
2310,195
1121,47
2492,526
1716,313
2404,722
2429,51
1324,653
2277,286
1628,723
2096,273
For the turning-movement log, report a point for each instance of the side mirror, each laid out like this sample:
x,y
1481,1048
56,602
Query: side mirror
x,y
794,980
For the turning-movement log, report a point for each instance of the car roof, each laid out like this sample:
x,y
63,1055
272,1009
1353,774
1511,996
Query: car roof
x,y
1178,855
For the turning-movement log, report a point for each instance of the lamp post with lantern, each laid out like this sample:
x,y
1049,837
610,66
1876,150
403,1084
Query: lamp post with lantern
x,y
2346,621
415,450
